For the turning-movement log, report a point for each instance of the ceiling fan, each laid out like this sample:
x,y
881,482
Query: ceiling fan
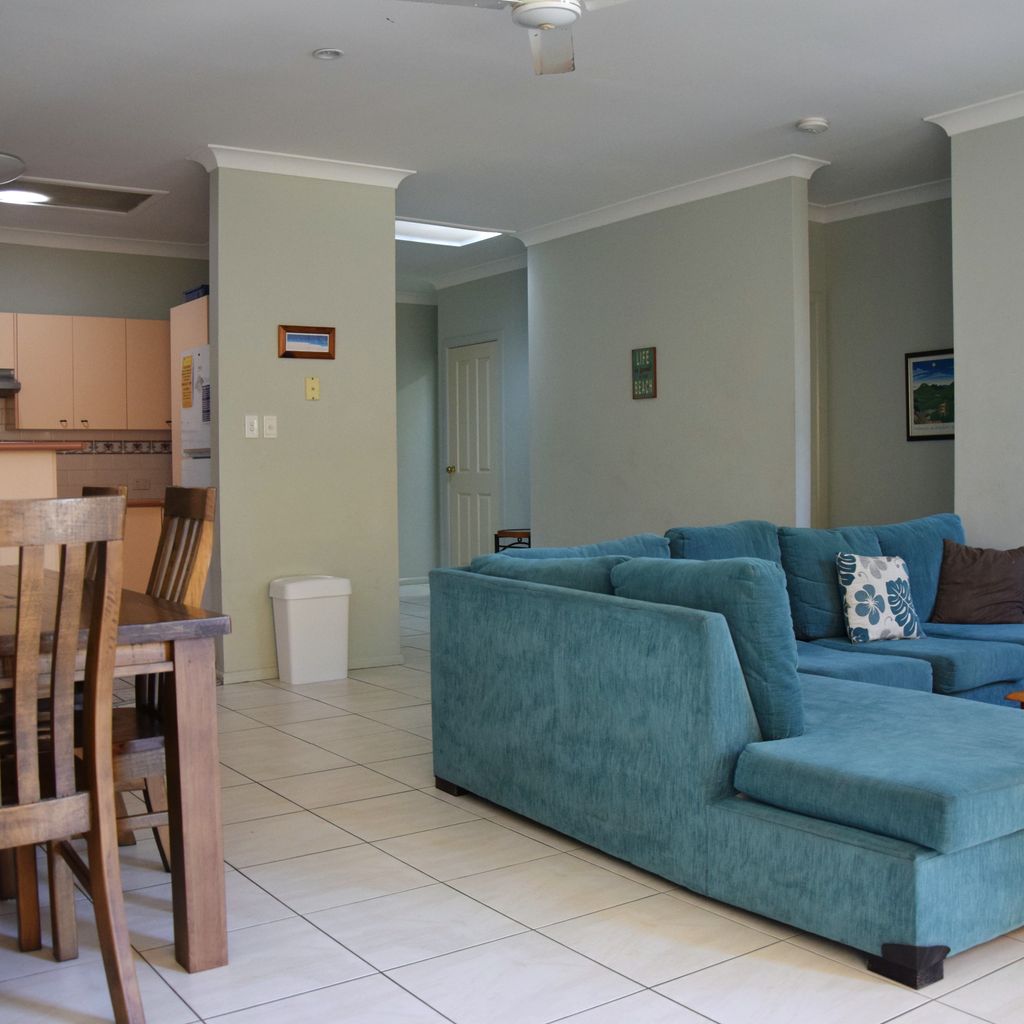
x,y
549,23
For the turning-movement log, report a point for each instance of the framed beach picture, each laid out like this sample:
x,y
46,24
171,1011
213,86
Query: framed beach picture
x,y
305,342
930,404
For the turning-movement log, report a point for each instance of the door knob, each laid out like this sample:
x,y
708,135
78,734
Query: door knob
x,y
449,469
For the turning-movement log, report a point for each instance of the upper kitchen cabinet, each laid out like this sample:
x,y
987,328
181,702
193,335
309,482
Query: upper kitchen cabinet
x,y
148,350
44,359
100,378
7,340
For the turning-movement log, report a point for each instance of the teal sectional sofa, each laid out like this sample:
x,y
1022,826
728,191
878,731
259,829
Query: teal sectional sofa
x,y
657,709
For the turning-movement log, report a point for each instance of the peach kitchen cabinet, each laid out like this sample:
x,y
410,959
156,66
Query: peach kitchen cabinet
x,y
100,378
44,359
148,352
7,340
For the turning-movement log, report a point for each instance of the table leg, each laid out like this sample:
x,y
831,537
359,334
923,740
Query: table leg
x,y
193,790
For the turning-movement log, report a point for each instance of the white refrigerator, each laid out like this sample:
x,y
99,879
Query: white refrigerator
x,y
194,398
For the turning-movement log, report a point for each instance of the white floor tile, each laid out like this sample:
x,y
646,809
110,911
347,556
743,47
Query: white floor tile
x,y
298,711
290,835
232,721
330,732
936,1013
410,926
466,849
412,719
998,997
781,984
421,642
239,696
324,789
393,676
374,1000
657,939
416,771
620,867
398,815
416,658
525,979
643,1008
542,892
229,777
332,879
761,924
516,822
243,803
265,753
270,961
381,746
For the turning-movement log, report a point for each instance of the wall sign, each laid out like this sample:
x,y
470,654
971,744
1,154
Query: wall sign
x,y
645,372
930,385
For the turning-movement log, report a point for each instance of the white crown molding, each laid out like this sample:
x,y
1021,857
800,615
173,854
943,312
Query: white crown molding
x,y
881,202
980,115
213,157
415,299
792,166
480,271
103,243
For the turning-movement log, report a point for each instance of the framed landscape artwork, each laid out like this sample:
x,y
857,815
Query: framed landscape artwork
x,y
930,404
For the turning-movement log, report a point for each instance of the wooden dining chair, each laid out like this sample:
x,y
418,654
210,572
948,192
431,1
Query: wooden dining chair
x,y
180,570
42,798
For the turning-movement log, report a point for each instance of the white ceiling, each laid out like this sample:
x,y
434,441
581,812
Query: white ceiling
x,y
665,92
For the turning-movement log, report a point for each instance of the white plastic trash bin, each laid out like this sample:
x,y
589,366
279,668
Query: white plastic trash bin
x,y
311,627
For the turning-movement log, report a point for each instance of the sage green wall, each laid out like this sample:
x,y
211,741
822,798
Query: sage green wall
x,y
890,291
485,310
988,251
40,279
720,287
322,497
416,356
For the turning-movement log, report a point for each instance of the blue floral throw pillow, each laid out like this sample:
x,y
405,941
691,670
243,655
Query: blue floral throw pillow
x,y
876,598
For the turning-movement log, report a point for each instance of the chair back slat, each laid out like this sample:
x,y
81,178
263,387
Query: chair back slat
x,y
74,561
25,729
92,491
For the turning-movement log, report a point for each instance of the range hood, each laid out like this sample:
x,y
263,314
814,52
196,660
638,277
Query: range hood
x,y
8,385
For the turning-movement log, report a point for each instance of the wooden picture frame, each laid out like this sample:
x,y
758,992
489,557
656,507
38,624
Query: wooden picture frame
x,y
930,395
305,342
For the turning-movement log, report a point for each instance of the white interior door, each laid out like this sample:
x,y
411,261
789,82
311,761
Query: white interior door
x,y
473,469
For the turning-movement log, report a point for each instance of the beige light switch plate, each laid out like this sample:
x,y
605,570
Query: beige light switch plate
x,y
312,389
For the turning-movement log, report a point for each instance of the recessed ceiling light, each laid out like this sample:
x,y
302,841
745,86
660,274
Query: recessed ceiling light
x,y
328,53
439,234
19,197
813,125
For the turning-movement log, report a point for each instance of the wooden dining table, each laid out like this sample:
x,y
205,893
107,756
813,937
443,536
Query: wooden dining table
x,y
159,636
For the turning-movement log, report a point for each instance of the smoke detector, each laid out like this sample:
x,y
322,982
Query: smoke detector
x,y
812,125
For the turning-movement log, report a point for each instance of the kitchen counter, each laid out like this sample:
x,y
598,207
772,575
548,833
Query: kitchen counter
x,y
41,446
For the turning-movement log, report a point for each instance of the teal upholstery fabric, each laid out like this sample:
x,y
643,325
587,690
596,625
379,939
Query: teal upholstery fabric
x,y
858,888
994,693
749,538
953,779
640,545
592,574
617,722
809,558
751,594
919,543
902,673
957,665
1001,632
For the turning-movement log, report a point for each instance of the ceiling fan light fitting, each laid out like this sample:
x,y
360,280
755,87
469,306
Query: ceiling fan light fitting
x,y
546,14
813,125
11,168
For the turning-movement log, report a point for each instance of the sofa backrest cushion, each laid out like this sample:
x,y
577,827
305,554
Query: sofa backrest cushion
x,y
751,594
919,543
749,538
592,574
809,559
640,545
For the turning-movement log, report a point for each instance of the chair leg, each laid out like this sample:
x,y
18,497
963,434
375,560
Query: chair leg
x,y
125,836
111,925
8,882
62,905
30,934
155,795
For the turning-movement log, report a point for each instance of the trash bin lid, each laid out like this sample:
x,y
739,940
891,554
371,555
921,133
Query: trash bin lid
x,y
292,588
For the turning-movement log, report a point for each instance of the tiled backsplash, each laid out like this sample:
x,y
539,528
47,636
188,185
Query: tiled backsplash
x,y
122,448
143,466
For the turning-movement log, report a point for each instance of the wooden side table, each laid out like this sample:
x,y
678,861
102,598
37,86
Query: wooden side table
x,y
511,539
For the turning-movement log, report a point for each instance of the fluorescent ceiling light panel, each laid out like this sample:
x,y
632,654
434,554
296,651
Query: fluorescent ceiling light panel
x,y
439,234
19,197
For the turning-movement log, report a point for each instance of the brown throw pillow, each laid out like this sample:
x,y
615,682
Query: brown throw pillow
x,y
980,586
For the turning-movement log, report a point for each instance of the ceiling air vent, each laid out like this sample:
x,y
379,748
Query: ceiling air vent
x,y
79,195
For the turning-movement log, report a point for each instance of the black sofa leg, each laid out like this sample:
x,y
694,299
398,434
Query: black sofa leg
x,y
915,966
449,787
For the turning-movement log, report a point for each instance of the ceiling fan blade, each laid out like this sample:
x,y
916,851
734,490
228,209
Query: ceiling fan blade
x,y
552,51
491,5
597,5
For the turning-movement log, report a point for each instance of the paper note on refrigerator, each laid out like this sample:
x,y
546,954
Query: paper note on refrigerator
x,y
186,382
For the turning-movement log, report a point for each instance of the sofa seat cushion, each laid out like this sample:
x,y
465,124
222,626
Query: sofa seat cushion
x,y
749,538
957,665
1001,632
751,594
591,574
945,774
903,673
640,545
809,558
